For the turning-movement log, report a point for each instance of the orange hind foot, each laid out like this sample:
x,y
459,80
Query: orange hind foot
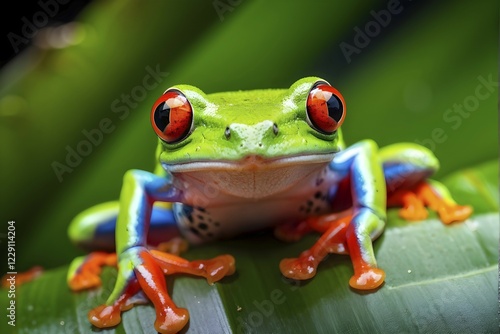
x,y
414,201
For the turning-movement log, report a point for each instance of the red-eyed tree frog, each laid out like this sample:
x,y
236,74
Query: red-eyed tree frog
x,y
230,163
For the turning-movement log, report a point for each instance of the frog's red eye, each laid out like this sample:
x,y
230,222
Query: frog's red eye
x,y
172,116
325,108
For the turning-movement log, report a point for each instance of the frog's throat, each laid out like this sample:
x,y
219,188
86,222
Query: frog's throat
x,y
249,163
252,177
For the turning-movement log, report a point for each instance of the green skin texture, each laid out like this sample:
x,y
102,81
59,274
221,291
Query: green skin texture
x,y
247,121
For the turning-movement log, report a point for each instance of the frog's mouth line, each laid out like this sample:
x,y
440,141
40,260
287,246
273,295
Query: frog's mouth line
x,y
250,163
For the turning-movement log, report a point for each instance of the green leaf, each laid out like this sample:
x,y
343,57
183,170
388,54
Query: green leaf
x,y
439,279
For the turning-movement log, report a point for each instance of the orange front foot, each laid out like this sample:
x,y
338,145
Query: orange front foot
x,y
105,316
84,274
344,233
332,241
142,269
169,318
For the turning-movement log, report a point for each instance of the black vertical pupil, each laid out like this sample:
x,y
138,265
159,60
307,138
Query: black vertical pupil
x,y
162,116
335,108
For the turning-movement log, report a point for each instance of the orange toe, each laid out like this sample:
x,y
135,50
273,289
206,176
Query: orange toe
x,y
87,275
219,267
369,279
298,268
84,281
413,213
105,316
455,213
171,321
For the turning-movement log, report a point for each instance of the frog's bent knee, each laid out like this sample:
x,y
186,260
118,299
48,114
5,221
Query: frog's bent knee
x,y
85,229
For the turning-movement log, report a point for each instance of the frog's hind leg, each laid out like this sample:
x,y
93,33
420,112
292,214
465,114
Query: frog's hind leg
x,y
94,230
407,168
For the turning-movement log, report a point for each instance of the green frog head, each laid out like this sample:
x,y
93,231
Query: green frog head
x,y
261,130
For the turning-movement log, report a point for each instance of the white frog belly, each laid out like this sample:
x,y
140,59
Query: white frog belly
x,y
310,196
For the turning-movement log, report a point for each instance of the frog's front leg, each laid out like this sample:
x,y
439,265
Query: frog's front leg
x,y
354,232
138,267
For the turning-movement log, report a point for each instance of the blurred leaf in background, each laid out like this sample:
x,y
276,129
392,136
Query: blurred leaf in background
x,y
74,106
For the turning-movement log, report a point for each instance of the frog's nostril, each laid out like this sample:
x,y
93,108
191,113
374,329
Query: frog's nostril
x,y
275,129
260,144
227,132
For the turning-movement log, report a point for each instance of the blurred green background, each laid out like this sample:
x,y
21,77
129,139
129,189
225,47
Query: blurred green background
x,y
401,77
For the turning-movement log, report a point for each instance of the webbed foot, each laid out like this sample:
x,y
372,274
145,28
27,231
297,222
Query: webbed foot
x,y
342,234
212,270
301,268
436,197
413,207
332,241
454,213
84,271
143,269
